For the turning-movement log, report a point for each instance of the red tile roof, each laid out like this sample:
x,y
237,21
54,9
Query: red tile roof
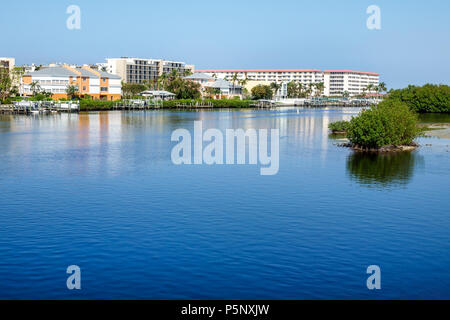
x,y
258,70
282,70
352,71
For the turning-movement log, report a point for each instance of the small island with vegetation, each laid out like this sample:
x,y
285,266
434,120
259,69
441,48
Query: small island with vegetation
x,y
392,125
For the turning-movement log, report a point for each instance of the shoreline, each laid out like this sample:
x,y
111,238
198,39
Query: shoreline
x,y
438,130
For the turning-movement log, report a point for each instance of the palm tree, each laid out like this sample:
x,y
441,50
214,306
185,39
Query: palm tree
x,y
300,88
71,91
162,81
320,86
243,82
370,87
292,89
35,87
174,74
310,89
234,80
382,87
275,87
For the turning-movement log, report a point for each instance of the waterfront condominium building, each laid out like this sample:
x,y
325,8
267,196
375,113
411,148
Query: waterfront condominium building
x,y
99,85
337,82
303,76
136,70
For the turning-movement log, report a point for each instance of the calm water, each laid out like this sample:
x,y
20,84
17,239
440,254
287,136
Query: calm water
x,y
99,190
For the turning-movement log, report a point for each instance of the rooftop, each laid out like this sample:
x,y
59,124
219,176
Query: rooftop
x,y
352,71
199,76
64,72
256,70
222,84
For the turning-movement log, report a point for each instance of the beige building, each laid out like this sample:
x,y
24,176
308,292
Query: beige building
x,y
7,63
136,70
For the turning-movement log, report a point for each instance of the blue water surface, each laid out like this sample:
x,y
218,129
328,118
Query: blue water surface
x,y
99,190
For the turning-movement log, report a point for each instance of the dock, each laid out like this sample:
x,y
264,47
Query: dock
x,y
137,104
147,104
330,102
33,107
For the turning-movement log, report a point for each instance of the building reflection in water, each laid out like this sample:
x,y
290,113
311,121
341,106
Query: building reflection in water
x,y
111,142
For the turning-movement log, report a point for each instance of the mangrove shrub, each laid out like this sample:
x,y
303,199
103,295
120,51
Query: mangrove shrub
x,y
428,98
391,123
339,126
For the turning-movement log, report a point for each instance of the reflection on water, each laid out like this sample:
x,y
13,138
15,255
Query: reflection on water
x,y
434,118
383,169
99,190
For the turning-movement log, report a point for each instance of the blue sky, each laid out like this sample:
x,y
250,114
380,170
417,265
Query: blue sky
x,y
412,47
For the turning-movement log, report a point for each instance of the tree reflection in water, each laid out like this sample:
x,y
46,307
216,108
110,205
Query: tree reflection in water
x,y
383,169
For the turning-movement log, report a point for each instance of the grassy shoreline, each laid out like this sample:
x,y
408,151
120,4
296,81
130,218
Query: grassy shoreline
x,y
96,105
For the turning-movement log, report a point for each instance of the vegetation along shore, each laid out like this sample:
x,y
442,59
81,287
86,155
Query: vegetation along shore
x,y
393,124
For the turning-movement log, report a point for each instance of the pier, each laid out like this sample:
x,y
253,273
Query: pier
x,y
31,107
148,104
334,102
137,104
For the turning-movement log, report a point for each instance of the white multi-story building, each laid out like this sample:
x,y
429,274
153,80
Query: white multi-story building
x,y
304,76
337,82
136,70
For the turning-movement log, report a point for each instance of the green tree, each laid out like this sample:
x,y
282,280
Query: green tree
x,y
275,87
6,85
10,82
184,89
35,87
388,123
162,81
309,90
428,98
382,87
234,79
262,92
72,91
212,92
320,86
130,90
292,90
